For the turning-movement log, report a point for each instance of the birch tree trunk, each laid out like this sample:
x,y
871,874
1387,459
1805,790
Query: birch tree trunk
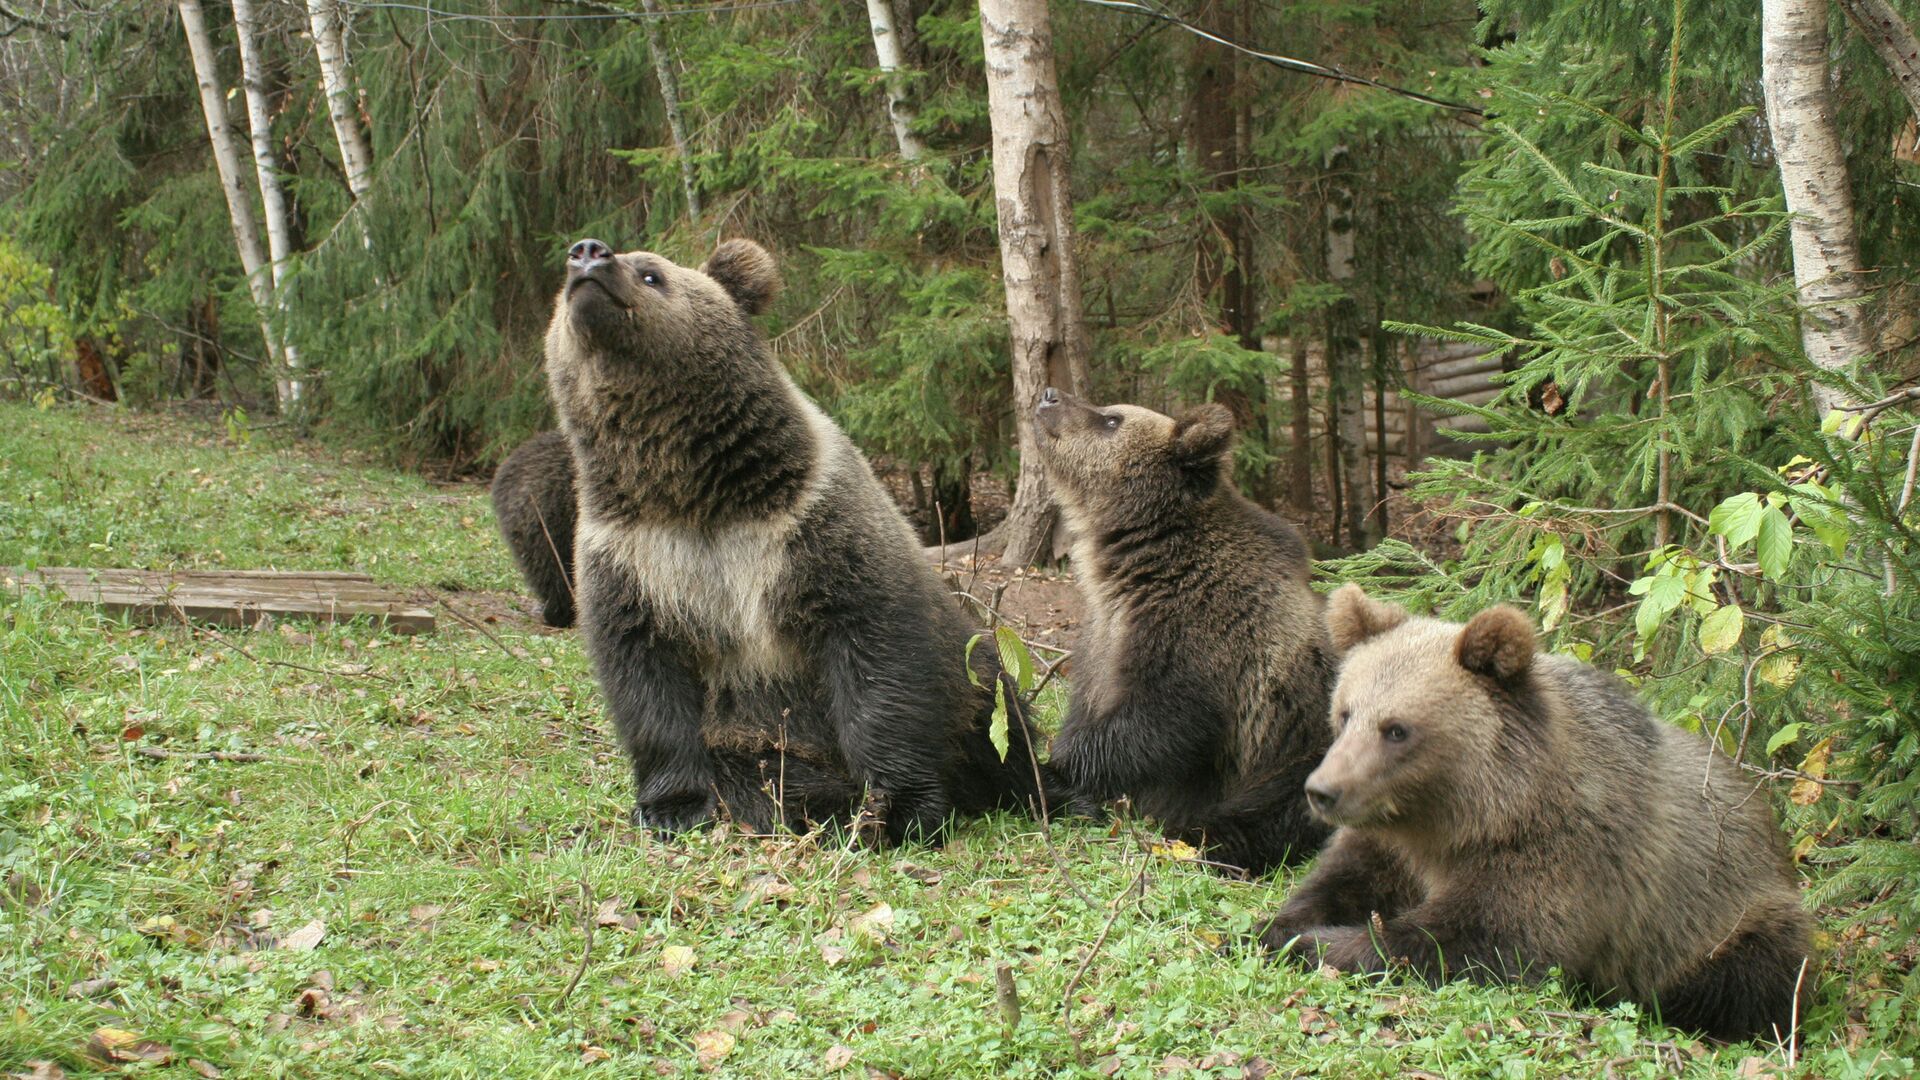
x,y
1813,172
329,44
1346,380
670,101
1894,40
273,198
226,159
1035,208
889,49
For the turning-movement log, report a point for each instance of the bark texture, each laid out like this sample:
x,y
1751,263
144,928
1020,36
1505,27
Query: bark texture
x,y
273,197
1893,39
329,45
889,49
1035,207
670,101
1813,173
1346,367
226,159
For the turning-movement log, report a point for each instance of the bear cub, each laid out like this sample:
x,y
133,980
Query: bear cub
x,y
1501,812
533,501
1200,681
769,639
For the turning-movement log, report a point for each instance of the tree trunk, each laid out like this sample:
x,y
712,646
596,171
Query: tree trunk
x,y
1894,40
226,159
273,198
670,101
1300,456
1035,209
1223,256
890,49
90,363
1382,355
329,44
1813,172
1346,368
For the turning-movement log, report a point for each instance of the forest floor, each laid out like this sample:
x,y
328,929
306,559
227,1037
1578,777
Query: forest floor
x,y
322,851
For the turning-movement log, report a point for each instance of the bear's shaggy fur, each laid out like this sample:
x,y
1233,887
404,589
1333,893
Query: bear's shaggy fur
x,y
770,641
1200,682
1502,813
533,501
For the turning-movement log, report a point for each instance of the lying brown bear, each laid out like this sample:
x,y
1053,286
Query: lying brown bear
x,y
1502,812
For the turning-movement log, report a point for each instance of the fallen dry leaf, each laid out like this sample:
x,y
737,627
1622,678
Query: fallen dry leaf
x,y
837,1057
205,1068
424,913
117,1046
590,1054
676,960
305,939
41,1070
711,1047
874,925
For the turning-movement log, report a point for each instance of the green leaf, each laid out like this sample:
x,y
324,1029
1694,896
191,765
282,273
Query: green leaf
x,y
1774,544
1786,736
1720,631
1737,519
997,729
1664,594
1015,658
972,676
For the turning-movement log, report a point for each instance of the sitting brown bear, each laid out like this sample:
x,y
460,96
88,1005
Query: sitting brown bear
x,y
1502,812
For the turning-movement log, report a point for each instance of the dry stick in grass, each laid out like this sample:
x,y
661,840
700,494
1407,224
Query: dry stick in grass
x,y
470,621
1066,999
354,826
566,575
209,755
586,951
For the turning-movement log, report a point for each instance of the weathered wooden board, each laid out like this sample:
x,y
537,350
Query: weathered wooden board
x,y
238,598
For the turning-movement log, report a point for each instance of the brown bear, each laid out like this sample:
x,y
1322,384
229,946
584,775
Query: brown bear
x,y
533,502
769,639
1502,812
1200,681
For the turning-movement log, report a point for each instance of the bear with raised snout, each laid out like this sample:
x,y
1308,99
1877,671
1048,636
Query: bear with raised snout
x,y
1200,680
1502,812
533,502
769,639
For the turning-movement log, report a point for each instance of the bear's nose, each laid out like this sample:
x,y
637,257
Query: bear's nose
x,y
1322,797
1049,398
585,253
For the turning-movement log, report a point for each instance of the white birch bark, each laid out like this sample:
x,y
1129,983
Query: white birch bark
x,y
329,45
273,198
888,49
226,159
1813,173
1345,380
670,100
1894,40
1035,208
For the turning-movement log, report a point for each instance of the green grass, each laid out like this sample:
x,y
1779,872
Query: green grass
x,y
455,816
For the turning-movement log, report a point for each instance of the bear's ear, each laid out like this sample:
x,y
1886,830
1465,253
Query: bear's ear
x,y
1202,434
1353,617
1498,643
747,272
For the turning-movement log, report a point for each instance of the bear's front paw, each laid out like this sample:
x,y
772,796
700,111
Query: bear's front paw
x,y
668,818
1338,947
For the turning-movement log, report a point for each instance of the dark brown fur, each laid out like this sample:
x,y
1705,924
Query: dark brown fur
x,y
1200,681
533,502
1502,813
770,642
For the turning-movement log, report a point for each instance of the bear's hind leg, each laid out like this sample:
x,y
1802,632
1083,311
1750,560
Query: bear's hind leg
x,y
1751,985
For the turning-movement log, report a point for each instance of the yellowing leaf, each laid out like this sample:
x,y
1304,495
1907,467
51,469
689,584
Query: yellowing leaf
x,y
1807,790
1720,631
711,1047
1177,850
676,960
117,1046
874,925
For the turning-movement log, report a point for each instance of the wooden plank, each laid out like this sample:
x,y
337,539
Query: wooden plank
x,y
239,598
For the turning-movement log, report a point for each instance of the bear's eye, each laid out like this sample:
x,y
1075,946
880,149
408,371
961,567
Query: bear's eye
x,y
651,278
1112,423
1394,732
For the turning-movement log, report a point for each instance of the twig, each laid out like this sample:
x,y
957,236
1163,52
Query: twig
x,y
180,613
472,622
1040,790
586,950
1066,1005
354,826
163,753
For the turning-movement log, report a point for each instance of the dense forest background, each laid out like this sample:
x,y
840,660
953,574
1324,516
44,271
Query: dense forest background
x,y
1587,192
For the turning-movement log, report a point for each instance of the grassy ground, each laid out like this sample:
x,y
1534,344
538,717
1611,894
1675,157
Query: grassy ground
x,y
421,864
